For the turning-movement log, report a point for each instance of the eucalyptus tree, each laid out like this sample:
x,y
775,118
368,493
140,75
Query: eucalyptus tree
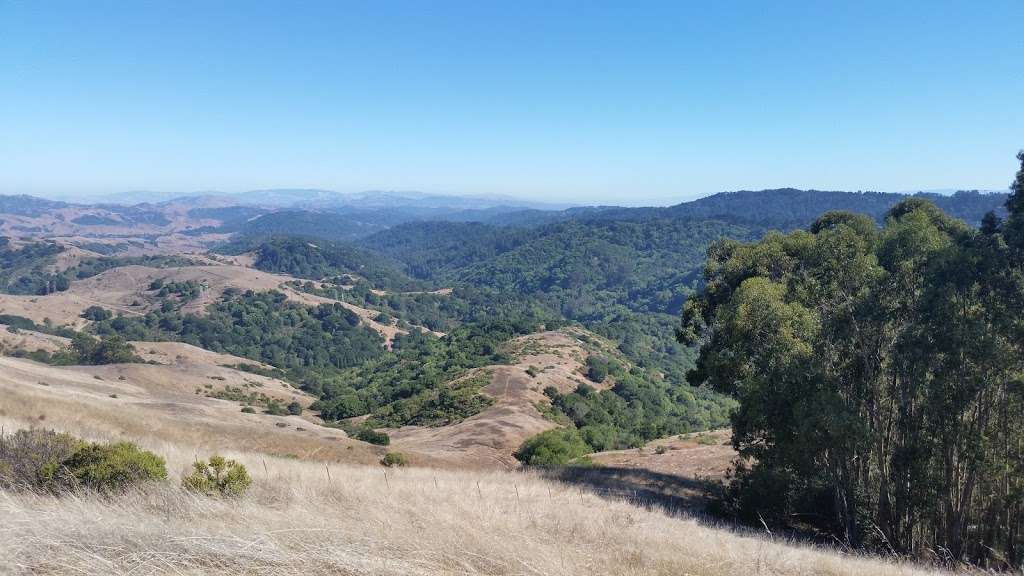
x,y
880,377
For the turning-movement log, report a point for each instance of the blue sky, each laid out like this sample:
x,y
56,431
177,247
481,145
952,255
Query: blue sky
x,y
590,102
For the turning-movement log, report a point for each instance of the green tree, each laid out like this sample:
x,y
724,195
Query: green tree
x,y
879,379
556,447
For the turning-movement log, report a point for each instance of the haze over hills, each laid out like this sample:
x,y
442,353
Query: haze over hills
x,y
471,334
318,198
520,288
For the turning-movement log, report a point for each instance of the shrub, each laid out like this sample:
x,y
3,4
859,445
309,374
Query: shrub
x,y
556,447
109,467
248,409
97,314
47,460
661,449
295,408
394,459
598,368
218,477
373,437
274,408
85,349
706,440
30,458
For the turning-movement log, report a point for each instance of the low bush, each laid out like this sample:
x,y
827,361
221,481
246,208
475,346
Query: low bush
x,y
44,460
373,437
30,458
556,447
112,467
218,477
274,408
97,314
295,408
394,459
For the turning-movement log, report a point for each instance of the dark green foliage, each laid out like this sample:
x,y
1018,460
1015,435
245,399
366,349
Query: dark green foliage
x,y
46,460
321,225
97,314
411,385
112,467
394,460
317,258
316,347
184,291
89,267
447,404
21,323
96,220
791,208
439,250
24,270
639,408
302,341
373,437
599,367
878,374
556,447
624,280
86,349
218,477
294,408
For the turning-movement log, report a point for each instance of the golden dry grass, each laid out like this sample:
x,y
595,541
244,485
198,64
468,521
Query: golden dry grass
x,y
305,518
158,403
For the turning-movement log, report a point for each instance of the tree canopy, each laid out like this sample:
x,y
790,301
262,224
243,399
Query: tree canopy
x,y
880,378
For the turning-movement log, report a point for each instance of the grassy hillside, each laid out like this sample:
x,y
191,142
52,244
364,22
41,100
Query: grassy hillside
x,y
310,517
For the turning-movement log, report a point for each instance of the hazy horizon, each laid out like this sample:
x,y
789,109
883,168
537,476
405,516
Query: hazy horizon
x,y
595,103
161,196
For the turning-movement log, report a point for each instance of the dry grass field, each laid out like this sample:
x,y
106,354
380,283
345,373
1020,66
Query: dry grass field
x,y
307,518
160,403
320,503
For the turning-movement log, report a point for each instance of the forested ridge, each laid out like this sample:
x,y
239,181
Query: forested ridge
x,y
880,378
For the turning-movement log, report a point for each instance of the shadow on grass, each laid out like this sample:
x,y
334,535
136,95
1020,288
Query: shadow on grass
x,y
675,495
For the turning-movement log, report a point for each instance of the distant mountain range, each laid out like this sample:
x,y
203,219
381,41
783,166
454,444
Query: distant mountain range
x,y
327,199
351,216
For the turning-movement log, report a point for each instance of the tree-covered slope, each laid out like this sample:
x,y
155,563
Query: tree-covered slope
x,y
315,258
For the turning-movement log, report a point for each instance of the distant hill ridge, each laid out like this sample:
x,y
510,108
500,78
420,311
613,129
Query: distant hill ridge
x,y
782,207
